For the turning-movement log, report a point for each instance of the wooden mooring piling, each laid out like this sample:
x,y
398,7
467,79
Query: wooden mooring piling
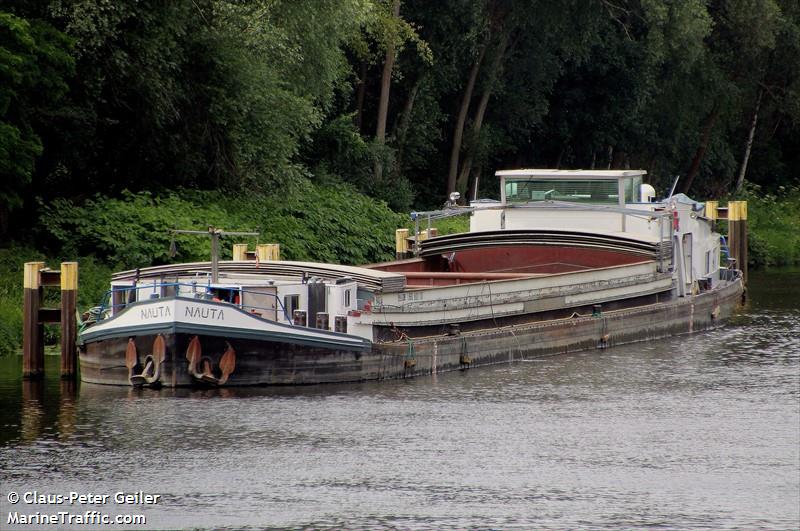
x,y
736,214
35,315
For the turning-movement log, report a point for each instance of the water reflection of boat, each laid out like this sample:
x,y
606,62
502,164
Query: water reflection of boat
x,y
564,261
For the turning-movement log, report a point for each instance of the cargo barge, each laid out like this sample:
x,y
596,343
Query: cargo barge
x,y
563,261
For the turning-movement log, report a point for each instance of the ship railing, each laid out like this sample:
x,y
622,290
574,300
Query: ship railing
x,y
108,307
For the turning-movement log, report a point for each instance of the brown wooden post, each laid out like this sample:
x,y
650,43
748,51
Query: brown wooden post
x,y
69,324
32,329
737,234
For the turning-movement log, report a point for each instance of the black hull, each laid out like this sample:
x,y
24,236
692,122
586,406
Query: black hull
x,y
269,362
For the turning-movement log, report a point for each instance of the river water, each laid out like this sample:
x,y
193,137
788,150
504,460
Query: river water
x,y
697,431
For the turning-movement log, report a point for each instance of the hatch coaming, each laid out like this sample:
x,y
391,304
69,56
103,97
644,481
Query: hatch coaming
x,y
527,294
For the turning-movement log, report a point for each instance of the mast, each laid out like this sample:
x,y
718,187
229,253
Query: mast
x,y
215,233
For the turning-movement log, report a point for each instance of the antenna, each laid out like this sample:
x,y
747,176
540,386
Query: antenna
x,y
674,184
215,233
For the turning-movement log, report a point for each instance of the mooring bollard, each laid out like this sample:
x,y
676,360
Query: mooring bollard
x,y
69,324
32,328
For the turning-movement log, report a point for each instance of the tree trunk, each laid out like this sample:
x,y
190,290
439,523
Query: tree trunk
x,y
749,145
705,136
462,118
477,124
386,84
404,121
362,89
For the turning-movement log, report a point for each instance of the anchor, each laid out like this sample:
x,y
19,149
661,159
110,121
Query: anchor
x,y
151,373
200,367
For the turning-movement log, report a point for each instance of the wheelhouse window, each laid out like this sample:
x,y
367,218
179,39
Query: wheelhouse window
x,y
602,191
633,189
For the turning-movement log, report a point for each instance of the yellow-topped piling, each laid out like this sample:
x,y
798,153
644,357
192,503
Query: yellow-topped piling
x,y
31,275
737,234
32,328
268,252
35,277
69,276
711,210
737,210
401,243
69,325
239,251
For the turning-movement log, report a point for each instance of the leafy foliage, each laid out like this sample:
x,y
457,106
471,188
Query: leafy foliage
x,y
34,60
774,226
330,222
260,97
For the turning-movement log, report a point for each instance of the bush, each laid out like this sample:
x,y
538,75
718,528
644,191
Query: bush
x,y
133,230
774,226
330,222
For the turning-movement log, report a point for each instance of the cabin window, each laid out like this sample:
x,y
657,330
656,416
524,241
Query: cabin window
x,y
603,191
347,298
230,295
119,299
633,187
169,290
290,304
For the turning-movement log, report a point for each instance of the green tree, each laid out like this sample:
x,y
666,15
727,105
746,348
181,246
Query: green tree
x,y
34,62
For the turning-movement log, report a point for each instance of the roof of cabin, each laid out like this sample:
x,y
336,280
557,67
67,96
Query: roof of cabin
x,y
570,174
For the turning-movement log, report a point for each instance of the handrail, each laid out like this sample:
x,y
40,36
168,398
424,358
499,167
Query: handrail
x,y
107,301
